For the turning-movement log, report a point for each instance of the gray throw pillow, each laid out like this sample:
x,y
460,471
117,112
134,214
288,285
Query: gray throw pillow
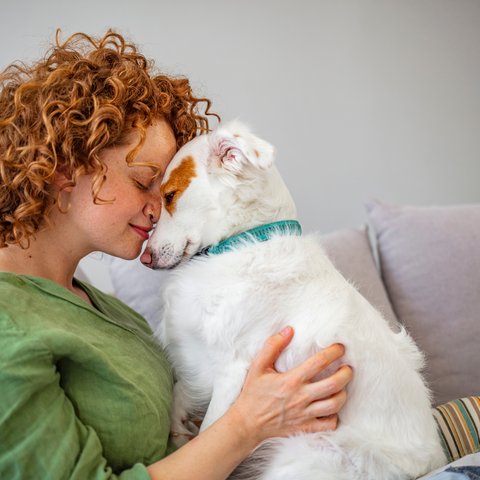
x,y
351,253
430,262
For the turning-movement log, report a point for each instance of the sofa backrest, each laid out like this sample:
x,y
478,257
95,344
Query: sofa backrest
x,y
430,263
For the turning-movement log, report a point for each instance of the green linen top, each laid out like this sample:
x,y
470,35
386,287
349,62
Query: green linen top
x,y
85,393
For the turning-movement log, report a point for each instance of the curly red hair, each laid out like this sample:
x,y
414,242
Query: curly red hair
x,y
58,114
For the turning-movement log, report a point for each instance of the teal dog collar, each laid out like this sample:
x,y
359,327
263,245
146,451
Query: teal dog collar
x,y
259,234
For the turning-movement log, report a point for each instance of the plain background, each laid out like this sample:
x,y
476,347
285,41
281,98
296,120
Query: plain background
x,y
366,98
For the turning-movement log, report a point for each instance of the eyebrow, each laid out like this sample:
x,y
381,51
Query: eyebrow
x,y
154,170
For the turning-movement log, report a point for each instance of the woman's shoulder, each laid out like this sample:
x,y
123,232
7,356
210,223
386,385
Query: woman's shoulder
x,y
17,300
28,302
42,308
11,284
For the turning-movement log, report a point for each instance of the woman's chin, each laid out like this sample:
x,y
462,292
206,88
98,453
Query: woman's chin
x,y
127,254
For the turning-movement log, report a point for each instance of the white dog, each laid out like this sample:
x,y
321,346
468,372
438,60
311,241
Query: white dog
x,y
220,307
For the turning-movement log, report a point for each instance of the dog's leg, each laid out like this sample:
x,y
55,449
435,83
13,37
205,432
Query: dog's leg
x,y
226,389
181,429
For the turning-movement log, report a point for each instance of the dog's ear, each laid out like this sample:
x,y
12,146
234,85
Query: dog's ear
x,y
234,146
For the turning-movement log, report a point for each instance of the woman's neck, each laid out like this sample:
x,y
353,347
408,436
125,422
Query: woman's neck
x,y
46,257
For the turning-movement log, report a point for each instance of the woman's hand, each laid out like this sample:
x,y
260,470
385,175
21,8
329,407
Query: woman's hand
x,y
271,404
280,404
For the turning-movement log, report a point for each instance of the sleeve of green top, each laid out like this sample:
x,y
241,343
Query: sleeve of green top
x,y
40,434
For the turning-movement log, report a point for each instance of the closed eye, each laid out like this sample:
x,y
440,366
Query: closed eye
x,y
141,186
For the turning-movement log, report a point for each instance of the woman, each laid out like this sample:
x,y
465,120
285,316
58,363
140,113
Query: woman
x,y
85,135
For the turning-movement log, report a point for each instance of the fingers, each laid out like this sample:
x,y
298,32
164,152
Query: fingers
x,y
327,407
324,423
320,424
318,362
271,350
330,395
292,401
331,385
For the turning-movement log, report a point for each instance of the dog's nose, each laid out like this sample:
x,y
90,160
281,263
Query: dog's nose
x,y
146,257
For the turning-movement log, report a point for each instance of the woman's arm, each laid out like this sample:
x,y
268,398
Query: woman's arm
x,y
270,405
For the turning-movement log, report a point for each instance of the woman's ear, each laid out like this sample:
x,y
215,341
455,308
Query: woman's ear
x,y
63,182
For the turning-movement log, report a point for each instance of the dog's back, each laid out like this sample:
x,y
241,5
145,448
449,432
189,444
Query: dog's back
x,y
236,300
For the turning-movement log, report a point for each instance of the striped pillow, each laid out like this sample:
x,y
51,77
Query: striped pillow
x,y
459,425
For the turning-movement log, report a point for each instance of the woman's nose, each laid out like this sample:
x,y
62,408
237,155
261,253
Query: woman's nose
x,y
152,210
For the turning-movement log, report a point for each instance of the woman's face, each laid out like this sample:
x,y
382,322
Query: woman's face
x,y
121,228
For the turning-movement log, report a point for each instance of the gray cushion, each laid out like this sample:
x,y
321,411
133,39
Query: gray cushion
x,y
351,253
430,262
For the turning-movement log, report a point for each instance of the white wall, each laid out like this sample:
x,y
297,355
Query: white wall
x,y
361,98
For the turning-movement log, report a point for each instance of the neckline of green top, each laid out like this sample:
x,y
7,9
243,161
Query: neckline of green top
x,y
109,308
53,288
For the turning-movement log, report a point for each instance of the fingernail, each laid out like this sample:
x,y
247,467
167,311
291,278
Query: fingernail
x,y
340,345
285,331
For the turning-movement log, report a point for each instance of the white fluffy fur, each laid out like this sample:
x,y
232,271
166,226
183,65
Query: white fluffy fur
x,y
219,310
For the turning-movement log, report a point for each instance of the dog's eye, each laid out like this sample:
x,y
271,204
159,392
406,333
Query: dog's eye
x,y
169,198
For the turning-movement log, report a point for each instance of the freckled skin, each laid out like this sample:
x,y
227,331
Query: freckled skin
x,y
118,228
107,227
178,181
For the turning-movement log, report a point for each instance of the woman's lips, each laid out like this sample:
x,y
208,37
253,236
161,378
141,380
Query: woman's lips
x,y
142,231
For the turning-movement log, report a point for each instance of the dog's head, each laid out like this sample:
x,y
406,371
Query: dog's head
x,y
212,190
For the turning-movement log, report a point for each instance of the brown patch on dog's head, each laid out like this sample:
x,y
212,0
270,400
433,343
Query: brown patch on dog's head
x,y
256,153
237,136
178,181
